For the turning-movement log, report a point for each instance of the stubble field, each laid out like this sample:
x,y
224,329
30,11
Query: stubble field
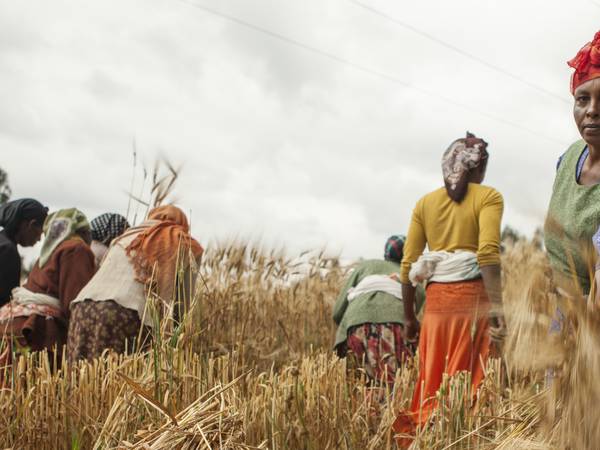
x,y
251,366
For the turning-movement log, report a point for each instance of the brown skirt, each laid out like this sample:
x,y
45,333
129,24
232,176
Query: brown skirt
x,y
98,326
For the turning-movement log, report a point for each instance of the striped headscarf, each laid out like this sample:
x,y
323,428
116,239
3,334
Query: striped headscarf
x,y
59,227
459,160
394,248
107,227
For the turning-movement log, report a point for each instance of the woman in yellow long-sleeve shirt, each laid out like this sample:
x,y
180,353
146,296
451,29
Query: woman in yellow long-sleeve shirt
x,y
460,224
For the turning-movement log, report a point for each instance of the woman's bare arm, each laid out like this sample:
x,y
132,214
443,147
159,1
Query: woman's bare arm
x,y
492,279
597,296
411,324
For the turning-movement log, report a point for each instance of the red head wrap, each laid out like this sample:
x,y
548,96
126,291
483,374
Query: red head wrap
x,y
586,63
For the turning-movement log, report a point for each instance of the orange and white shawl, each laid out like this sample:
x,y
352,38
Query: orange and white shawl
x,y
156,251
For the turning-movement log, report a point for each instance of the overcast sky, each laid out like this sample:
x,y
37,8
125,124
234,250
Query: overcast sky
x,y
277,142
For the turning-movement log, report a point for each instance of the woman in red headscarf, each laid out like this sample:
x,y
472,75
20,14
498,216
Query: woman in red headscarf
x,y
574,211
151,261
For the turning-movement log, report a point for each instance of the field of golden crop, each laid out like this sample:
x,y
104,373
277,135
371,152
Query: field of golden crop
x,y
252,367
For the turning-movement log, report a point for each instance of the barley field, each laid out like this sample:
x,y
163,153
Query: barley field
x,y
251,367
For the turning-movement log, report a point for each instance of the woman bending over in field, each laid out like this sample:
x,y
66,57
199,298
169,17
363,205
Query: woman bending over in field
x,y
370,316
38,315
151,260
106,228
460,224
22,223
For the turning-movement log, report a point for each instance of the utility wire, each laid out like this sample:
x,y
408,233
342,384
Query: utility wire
x,y
365,69
462,52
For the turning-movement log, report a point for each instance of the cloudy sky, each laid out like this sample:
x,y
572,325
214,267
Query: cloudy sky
x,y
326,138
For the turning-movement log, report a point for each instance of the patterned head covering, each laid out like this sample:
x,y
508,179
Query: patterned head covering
x,y
59,227
13,213
107,227
462,156
161,246
586,63
394,248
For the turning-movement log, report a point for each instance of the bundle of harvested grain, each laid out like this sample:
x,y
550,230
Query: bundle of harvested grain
x,y
209,422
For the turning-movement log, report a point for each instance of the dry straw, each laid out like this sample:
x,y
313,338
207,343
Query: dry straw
x,y
250,365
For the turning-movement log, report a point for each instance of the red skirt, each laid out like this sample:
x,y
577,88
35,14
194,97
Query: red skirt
x,y
379,348
33,333
454,338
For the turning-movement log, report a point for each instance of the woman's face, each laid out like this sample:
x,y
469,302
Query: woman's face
x,y
587,112
28,233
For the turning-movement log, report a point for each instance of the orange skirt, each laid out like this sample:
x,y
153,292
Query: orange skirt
x,y
454,338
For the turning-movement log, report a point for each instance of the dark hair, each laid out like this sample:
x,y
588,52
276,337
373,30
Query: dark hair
x,y
12,214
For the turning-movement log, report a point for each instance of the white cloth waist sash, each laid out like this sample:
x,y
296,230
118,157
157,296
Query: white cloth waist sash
x,y
376,283
24,297
445,267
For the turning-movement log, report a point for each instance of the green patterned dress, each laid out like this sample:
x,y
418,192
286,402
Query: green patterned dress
x,y
573,218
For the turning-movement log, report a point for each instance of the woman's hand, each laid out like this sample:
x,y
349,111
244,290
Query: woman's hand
x,y
411,330
395,276
411,324
498,329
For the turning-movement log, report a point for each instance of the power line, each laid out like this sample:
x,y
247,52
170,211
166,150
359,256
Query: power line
x,y
365,69
462,52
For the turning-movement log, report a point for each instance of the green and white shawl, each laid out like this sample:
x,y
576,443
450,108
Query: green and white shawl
x,y
60,226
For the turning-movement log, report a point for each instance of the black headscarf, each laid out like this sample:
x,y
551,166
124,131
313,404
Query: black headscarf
x,y
15,212
107,227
